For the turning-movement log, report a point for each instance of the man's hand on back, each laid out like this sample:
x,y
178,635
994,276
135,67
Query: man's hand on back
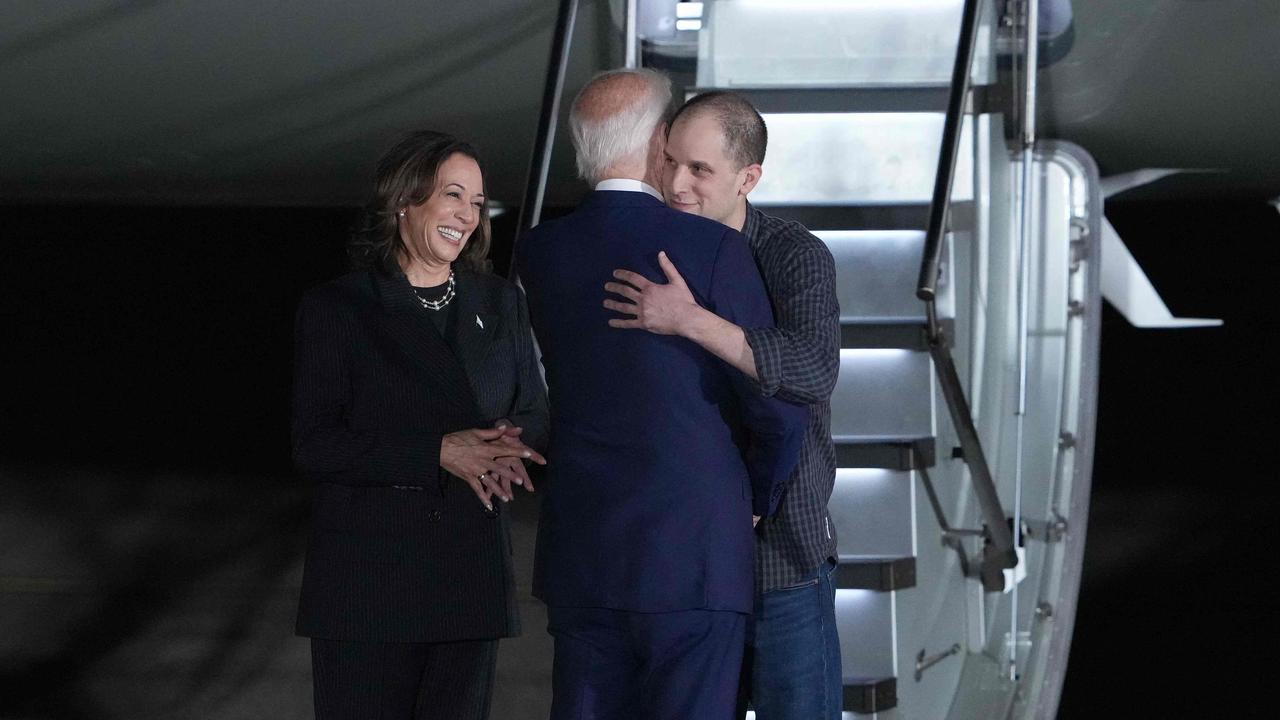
x,y
665,309
671,310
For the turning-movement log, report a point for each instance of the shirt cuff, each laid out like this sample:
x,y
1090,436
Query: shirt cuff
x,y
768,360
767,507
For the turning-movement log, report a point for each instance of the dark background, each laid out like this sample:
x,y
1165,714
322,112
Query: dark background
x,y
146,352
1173,605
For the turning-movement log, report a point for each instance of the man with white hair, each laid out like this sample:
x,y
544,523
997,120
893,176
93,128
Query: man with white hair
x,y
661,454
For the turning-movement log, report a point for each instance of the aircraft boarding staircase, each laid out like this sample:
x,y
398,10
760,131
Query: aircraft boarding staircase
x,y
955,420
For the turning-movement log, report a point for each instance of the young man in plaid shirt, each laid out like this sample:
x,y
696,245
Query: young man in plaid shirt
x,y
715,148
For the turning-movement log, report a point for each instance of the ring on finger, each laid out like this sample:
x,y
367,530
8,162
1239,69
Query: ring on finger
x,y
481,477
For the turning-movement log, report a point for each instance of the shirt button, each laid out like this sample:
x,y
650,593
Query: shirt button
x,y
435,515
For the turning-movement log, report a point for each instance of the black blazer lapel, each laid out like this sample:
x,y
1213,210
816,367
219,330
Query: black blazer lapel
x,y
477,320
403,321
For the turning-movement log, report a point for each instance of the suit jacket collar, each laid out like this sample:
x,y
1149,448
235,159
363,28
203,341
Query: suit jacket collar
x,y
628,185
620,198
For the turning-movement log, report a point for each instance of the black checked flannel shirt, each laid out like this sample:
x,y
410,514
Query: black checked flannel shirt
x,y
798,361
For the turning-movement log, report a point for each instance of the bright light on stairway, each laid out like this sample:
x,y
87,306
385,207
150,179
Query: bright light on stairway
x,y
826,6
864,475
855,354
867,158
846,597
836,236
687,10
829,43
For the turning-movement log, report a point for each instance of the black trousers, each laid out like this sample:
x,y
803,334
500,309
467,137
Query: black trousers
x,y
403,681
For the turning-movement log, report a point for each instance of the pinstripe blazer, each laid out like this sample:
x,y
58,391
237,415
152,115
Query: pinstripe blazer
x,y
400,550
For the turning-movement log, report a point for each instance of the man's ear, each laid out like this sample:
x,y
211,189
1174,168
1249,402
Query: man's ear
x,y
658,141
750,176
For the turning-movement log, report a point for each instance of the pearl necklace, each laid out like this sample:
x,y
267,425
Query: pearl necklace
x,y
443,301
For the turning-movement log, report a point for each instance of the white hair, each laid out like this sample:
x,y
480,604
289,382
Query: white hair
x,y
602,143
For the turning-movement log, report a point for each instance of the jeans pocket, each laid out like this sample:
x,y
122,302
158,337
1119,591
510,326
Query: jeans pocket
x,y
806,583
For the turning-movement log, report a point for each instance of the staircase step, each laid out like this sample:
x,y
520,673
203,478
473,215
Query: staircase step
x,y
828,43
901,333
891,714
869,572
923,97
876,273
859,159
872,512
882,393
887,453
905,216
870,695
870,216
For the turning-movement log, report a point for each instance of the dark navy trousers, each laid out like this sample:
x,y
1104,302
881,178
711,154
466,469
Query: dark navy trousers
x,y
645,666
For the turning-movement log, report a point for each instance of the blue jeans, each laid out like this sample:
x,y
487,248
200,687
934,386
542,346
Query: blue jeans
x,y
791,669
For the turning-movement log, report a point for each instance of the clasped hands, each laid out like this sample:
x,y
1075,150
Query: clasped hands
x,y
489,460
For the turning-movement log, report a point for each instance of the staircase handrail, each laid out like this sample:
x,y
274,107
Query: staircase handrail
x,y
999,553
540,163
940,204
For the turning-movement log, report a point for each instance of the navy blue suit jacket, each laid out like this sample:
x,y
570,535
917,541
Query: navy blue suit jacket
x,y
659,452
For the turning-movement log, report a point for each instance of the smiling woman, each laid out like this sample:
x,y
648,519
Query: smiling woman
x,y
414,422
435,232
421,182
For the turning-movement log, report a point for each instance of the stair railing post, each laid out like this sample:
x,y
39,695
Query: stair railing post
x,y
535,186
1025,229
632,39
940,205
999,553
